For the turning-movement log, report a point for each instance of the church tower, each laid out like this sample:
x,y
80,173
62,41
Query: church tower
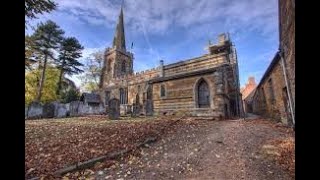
x,y
118,62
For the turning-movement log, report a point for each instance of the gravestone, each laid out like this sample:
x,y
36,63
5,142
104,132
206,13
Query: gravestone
x,y
76,108
128,109
34,111
149,107
48,110
135,111
67,106
60,111
114,109
26,112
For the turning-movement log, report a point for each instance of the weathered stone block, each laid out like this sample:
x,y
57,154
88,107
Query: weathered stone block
x,y
35,110
49,109
60,111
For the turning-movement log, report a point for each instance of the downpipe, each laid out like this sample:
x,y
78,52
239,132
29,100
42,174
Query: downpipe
x,y
287,84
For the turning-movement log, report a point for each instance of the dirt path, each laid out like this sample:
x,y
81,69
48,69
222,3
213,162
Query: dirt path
x,y
205,150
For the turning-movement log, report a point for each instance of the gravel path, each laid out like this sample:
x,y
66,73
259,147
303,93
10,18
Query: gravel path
x,y
205,150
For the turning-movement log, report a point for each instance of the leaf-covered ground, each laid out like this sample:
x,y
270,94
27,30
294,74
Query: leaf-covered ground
x,y
51,144
189,149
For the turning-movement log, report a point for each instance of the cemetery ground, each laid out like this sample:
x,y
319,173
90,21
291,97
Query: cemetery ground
x,y
185,148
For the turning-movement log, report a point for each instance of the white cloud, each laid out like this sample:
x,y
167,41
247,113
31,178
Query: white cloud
x,y
157,16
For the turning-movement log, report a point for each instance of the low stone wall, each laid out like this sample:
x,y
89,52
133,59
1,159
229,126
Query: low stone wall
x,y
78,108
60,110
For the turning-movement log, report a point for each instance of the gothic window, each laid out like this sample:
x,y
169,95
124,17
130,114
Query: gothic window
x,y
122,96
126,96
138,88
162,91
123,66
203,95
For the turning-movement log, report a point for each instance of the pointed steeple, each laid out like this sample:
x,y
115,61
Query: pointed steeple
x,y
119,41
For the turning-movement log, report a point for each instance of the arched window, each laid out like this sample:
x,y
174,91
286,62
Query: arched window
x,y
162,91
123,66
203,94
121,96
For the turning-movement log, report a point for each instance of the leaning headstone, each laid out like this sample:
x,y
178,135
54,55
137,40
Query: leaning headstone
x,y
149,107
34,111
114,109
48,109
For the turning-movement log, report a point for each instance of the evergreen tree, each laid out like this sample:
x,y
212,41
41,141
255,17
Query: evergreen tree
x,y
29,52
47,38
35,7
70,52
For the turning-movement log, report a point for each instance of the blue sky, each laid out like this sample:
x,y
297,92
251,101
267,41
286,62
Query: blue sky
x,y
174,30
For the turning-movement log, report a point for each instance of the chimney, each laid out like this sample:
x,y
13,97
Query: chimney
x,y
161,69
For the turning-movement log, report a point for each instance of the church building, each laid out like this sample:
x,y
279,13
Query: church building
x,y
207,85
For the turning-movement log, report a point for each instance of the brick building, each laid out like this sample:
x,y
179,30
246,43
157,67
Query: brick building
x,y
203,86
274,95
247,94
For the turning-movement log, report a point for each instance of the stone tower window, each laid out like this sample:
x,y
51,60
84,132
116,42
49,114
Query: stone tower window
x,y
123,66
123,96
162,91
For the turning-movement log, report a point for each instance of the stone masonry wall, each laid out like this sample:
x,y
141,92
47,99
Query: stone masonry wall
x,y
287,38
196,64
275,108
180,95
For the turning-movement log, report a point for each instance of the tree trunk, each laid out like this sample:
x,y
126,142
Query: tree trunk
x,y
60,77
42,79
60,80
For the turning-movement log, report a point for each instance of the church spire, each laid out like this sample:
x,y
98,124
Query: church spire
x,y
119,41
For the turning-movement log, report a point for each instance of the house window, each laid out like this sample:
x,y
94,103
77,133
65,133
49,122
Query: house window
x,y
123,66
270,86
162,91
